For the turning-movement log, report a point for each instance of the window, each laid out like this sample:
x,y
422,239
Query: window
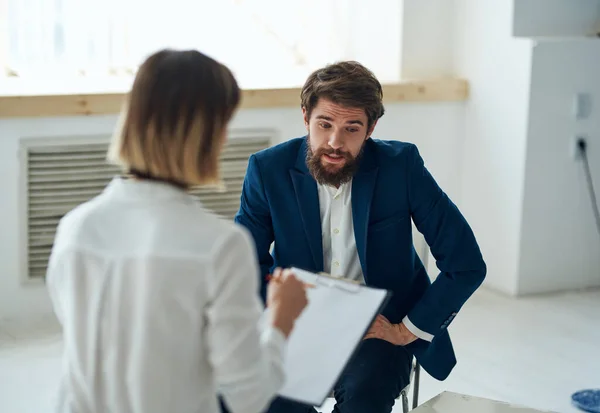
x,y
267,43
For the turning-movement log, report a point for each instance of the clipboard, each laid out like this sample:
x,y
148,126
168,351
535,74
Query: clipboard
x,y
327,334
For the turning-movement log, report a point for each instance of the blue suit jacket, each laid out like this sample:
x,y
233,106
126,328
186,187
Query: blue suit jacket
x,y
392,186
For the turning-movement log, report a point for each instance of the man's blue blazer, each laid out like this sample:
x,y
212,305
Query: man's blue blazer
x,y
391,188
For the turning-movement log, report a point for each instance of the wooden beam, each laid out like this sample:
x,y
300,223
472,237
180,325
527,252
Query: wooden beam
x,y
102,104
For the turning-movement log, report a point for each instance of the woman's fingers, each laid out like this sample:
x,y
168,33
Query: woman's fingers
x,y
276,276
289,273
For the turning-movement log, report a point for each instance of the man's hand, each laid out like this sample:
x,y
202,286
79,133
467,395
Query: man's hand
x,y
396,334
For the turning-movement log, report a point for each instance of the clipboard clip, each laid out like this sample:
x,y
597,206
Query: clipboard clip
x,y
328,280
341,283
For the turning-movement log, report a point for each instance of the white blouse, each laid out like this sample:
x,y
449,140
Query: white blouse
x,y
159,305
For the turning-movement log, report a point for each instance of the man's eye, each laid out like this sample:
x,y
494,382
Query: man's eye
x,y
352,130
324,125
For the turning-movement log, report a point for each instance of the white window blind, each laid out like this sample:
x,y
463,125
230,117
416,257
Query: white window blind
x,y
266,43
63,174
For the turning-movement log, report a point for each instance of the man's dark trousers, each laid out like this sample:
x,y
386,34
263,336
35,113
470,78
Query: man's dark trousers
x,y
371,382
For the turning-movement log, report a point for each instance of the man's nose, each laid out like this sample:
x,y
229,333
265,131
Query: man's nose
x,y
334,141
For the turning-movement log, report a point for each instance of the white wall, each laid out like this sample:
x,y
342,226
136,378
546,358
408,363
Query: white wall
x,y
492,175
561,18
525,197
560,245
439,142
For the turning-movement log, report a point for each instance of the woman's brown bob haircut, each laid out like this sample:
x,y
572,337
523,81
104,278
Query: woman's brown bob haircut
x,y
175,119
348,84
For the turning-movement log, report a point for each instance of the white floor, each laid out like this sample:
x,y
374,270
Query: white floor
x,y
534,352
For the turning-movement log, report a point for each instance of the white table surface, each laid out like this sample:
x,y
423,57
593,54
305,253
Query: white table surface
x,y
448,402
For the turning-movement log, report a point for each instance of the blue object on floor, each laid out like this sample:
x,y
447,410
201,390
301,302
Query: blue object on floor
x,y
587,400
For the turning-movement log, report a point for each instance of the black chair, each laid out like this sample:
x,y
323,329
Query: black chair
x,y
415,376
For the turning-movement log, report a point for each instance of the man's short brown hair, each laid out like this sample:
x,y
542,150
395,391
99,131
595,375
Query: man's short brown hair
x,y
349,84
175,118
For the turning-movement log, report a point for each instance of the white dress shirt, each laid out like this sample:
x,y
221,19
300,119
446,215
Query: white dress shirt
x,y
160,308
340,256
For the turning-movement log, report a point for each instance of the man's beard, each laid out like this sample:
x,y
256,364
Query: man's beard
x,y
330,175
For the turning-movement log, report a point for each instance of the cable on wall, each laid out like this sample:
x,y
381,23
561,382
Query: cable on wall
x,y
582,147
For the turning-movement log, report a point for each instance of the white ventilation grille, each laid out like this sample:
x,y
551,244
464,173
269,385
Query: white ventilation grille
x,y
60,174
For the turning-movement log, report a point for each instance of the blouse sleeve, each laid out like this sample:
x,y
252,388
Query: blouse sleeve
x,y
245,351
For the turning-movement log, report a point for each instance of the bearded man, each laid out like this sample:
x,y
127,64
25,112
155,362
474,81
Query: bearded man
x,y
339,201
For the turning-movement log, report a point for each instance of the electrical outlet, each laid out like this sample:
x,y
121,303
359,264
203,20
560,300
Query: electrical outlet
x,y
576,148
582,106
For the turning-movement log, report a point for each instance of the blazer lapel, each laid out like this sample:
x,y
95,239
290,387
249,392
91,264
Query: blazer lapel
x,y
307,198
363,185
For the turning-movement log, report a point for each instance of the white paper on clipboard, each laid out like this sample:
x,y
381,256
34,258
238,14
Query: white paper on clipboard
x,y
326,335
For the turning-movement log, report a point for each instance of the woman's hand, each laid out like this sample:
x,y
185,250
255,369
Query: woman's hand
x,y
286,298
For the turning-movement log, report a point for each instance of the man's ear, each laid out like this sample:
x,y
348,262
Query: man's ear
x,y
371,129
305,117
